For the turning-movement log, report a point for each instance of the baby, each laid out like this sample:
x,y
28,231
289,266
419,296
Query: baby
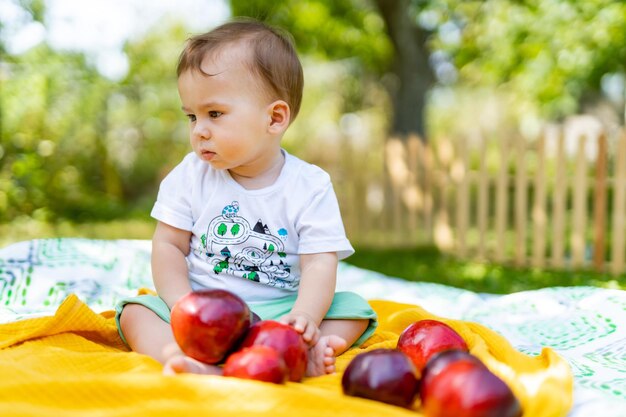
x,y
240,213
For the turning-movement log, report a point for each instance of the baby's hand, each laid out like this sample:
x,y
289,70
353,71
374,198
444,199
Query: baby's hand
x,y
303,324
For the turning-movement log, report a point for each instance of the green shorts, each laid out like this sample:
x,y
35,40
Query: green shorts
x,y
345,305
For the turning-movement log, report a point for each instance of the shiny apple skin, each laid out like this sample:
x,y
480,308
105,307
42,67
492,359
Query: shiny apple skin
x,y
439,361
385,375
465,388
260,363
208,324
287,342
424,338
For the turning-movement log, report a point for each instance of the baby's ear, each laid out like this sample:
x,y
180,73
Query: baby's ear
x,y
279,117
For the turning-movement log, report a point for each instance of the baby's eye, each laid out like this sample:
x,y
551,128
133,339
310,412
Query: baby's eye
x,y
214,114
191,117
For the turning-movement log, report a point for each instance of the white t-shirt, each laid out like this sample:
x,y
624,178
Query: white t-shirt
x,y
243,238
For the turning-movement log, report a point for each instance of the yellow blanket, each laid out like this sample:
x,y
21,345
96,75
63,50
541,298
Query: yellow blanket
x,y
74,364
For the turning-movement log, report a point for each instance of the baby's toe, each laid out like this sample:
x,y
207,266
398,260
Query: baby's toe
x,y
336,343
329,360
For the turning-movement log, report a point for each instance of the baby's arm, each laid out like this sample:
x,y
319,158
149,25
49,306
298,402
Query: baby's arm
x,y
170,246
315,295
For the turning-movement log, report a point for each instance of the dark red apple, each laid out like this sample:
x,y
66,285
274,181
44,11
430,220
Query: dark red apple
x,y
422,339
466,388
208,324
261,363
287,342
439,361
385,375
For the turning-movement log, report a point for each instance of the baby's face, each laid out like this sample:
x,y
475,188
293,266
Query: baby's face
x,y
229,114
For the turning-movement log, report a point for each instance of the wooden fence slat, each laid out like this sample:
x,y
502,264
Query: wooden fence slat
x,y
362,211
428,163
442,232
579,209
414,190
521,204
483,199
619,207
539,215
599,205
392,198
399,174
502,188
347,189
462,199
558,206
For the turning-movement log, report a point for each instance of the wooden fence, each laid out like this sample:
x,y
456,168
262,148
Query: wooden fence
x,y
555,201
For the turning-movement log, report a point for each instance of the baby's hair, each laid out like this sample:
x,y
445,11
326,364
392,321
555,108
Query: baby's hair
x,y
272,57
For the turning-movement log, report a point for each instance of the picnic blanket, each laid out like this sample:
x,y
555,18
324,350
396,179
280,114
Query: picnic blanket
x,y
60,352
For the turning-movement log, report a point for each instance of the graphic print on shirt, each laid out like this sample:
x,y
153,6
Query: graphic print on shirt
x,y
233,247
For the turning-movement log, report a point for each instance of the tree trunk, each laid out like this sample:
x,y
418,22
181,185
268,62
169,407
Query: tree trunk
x,y
411,67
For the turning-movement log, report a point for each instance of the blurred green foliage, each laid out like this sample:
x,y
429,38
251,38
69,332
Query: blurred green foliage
x,y
552,54
76,145
331,30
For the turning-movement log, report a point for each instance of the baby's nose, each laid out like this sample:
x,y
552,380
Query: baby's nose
x,y
202,131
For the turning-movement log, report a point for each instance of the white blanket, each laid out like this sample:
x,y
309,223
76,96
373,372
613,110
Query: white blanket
x,y
586,325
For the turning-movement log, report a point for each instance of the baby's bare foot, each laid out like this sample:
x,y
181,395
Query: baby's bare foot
x,y
182,364
322,355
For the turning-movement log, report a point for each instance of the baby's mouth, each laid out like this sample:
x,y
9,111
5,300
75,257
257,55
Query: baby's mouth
x,y
207,155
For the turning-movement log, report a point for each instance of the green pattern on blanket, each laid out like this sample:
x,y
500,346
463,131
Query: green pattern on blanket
x,y
616,387
585,325
98,271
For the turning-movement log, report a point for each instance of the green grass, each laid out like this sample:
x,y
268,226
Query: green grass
x,y
430,265
414,264
26,228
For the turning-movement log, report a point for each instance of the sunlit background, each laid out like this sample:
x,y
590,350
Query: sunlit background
x,y
101,28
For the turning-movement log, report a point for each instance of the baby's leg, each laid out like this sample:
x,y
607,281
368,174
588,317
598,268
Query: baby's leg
x,y
148,334
145,332
336,337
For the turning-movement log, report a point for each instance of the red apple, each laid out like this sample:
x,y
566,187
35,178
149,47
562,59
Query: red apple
x,y
385,375
422,339
287,342
439,361
208,324
466,388
261,363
